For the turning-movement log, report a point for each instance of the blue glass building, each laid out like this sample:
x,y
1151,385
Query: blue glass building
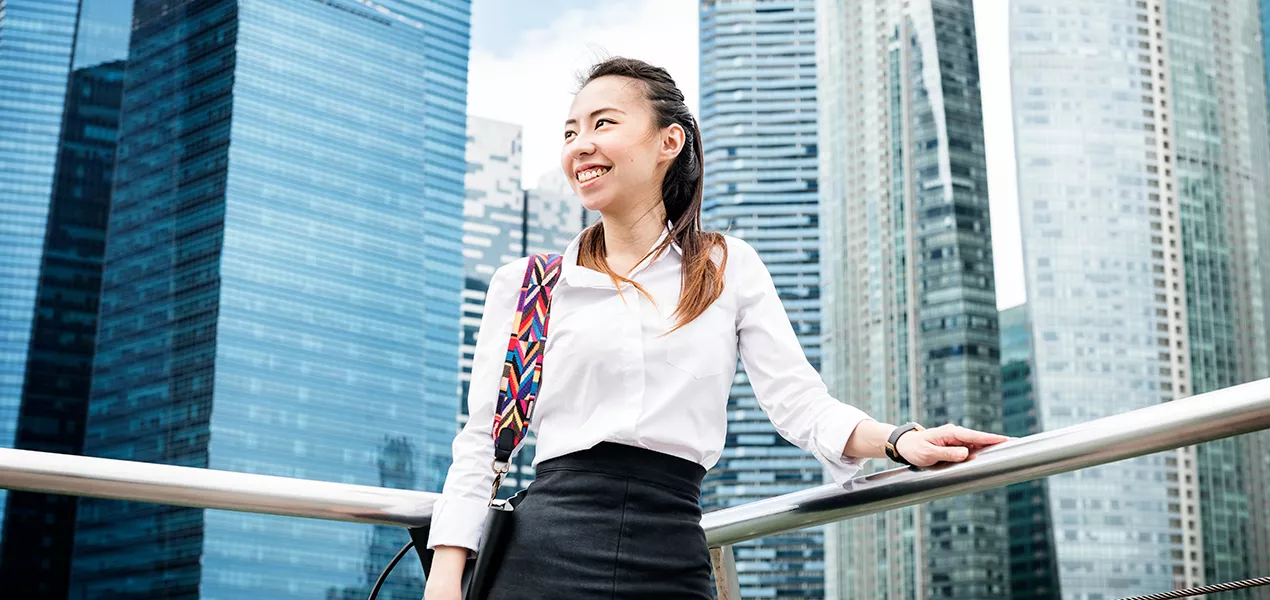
x,y
36,41
39,528
55,366
280,287
758,124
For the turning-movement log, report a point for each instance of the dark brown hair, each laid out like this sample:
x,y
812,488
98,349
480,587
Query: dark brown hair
x,y
681,191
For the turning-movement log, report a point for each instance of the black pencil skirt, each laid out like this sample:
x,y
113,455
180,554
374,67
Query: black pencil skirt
x,y
615,522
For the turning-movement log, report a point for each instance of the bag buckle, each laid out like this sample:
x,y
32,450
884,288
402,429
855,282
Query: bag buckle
x,y
500,469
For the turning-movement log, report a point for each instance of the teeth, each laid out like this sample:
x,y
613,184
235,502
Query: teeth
x,y
586,176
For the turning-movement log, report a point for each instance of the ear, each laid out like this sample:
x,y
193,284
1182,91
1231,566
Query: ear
x,y
673,139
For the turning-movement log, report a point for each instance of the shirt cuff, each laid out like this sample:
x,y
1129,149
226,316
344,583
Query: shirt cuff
x,y
832,436
458,522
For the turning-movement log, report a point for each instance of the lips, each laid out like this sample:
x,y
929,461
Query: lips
x,y
587,174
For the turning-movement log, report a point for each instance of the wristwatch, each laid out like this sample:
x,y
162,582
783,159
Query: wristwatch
x,y
894,438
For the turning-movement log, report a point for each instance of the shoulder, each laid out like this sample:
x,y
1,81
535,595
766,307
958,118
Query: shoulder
x,y
512,270
741,253
745,272
510,275
736,244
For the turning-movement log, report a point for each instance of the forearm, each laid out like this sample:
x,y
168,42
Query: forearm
x,y
868,440
449,559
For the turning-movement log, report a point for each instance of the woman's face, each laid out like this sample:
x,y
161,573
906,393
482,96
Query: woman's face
x,y
613,154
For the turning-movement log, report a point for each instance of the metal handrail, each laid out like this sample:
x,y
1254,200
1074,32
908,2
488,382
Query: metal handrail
x,y
1215,415
208,488
1206,417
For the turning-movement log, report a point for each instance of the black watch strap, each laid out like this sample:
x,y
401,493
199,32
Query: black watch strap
x,y
894,438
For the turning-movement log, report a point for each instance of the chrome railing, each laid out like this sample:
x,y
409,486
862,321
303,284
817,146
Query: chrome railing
x,y
1206,417
1203,418
208,488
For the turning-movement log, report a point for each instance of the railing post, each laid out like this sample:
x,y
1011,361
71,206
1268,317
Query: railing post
x,y
727,586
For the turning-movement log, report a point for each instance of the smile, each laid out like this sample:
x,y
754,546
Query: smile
x,y
590,175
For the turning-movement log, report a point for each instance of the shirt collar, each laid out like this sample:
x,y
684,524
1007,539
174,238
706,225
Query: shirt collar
x,y
582,276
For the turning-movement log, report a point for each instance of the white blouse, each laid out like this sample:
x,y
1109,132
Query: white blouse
x,y
609,374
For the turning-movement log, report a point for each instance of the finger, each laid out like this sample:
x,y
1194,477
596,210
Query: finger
x,y
971,436
953,454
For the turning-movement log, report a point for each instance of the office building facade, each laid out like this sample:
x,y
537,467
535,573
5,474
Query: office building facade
x,y
55,366
280,285
758,124
1141,144
39,528
909,308
1259,455
37,39
1033,568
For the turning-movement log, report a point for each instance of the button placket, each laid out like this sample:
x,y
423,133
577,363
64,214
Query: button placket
x,y
632,354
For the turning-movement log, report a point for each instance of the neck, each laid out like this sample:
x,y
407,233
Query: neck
x,y
629,235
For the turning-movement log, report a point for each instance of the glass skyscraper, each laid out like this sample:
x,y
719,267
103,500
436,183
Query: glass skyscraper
x,y
36,42
1259,453
55,365
1033,570
1223,181
501,223
1141,148
1101,265
758,124
280,286
39,528
910,317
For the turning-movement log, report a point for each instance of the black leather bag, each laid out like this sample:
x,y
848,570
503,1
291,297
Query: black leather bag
x,y
481,567
479,572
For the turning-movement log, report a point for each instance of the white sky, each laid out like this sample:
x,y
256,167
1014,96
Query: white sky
x,y
524,67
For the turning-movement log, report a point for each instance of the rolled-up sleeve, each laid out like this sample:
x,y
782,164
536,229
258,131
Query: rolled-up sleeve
x,y
787,387
458,518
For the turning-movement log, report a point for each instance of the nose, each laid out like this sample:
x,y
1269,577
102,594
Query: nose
x,y
581,146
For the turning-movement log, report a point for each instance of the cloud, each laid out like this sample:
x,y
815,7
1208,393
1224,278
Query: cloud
x,y
533,85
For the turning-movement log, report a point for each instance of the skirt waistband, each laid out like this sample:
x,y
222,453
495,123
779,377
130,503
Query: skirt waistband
x,y
631,461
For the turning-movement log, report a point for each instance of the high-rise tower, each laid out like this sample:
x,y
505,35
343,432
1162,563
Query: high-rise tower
x,y
758,124
909,307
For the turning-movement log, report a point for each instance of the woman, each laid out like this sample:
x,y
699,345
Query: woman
x,y
647,320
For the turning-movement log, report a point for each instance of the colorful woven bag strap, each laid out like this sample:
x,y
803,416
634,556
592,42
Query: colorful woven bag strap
x,y
522,371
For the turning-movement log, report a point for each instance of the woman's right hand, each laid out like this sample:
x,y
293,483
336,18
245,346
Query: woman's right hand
x,y
446,580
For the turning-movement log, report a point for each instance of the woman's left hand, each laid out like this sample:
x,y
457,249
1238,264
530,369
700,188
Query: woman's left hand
x,y
948,443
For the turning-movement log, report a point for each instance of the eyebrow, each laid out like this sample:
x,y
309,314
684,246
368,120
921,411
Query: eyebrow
x,y
593,114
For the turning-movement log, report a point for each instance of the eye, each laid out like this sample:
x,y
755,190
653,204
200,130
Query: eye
x,y
597,123
568,134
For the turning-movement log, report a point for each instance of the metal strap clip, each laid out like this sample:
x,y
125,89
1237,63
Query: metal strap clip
x,y
499,472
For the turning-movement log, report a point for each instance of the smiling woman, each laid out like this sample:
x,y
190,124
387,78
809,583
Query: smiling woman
x,y
634,387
